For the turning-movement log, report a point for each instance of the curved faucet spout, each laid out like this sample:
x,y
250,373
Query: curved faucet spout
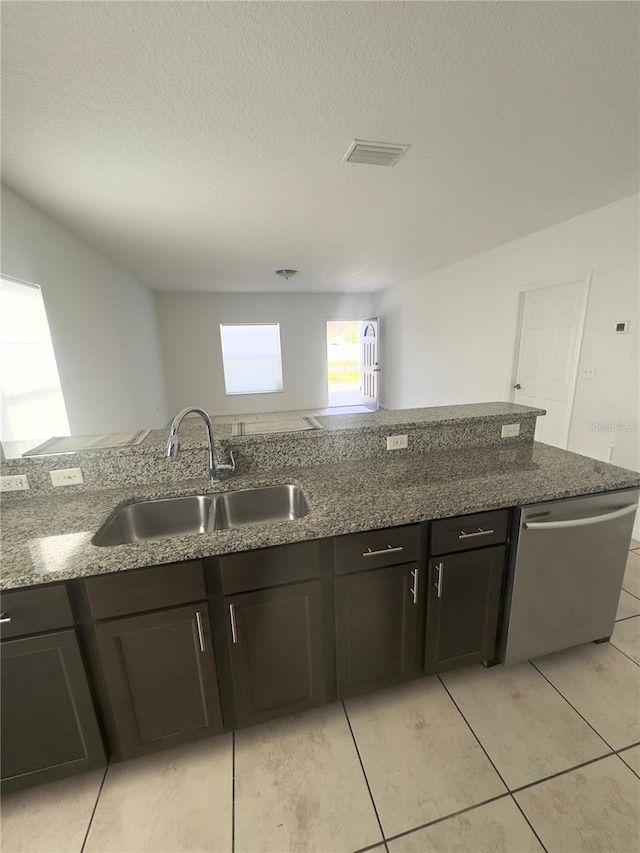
x,y
173,444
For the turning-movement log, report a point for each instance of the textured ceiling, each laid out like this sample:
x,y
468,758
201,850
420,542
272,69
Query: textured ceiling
x,y
199,144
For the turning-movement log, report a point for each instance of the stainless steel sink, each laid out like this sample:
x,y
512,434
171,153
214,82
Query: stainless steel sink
x,y
193,514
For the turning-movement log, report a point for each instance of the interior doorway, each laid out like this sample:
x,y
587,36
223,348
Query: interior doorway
x,y
548,354
343,363
369,364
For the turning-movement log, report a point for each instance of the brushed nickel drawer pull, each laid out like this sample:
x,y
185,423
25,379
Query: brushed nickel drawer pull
x,y
232,614
414,588
200,631
388,550
479,532
4,618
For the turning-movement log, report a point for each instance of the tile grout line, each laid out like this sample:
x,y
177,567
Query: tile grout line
x,y
448,816
233,791
564,772
509,793
626,618
619,754
93,811
560,693
632,594
531,826
480,744
364,773
622,652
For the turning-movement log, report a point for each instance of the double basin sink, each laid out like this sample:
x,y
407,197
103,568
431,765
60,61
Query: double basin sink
x,y
193,514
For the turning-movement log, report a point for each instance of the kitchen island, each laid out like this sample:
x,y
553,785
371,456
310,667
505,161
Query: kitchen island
x,y
400,569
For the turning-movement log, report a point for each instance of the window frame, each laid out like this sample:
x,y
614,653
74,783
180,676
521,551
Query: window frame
x,y
227,363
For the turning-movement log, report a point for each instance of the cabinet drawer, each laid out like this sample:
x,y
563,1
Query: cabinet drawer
x,y
34,610
269,567
377,548
145,589
469,531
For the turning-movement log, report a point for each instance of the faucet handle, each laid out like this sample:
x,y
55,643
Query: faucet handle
x,y
226,467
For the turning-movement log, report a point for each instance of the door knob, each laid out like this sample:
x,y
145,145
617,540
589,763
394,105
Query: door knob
x,y
518,386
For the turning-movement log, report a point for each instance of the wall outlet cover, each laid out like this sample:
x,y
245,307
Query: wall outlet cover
x,y
510,430
66,476
397,442
14,483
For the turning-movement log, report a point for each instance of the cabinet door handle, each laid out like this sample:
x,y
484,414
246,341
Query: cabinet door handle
x,y
479,532
414,588
390,549
200,631
4,618
232,615
440,570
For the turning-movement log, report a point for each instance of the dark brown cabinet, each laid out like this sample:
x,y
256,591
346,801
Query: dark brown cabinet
x,y
49,726
378,607
276,647
271,610
154,671
160,678
293,627
463,606
376,623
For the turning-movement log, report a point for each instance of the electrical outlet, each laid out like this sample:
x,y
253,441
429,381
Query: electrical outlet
x,y
14,483
397,442
510,430
66,476
589,373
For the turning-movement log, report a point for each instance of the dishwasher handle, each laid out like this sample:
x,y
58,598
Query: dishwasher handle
x,y
579,522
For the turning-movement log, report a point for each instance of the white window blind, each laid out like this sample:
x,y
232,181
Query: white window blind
x,y
31,401
251,358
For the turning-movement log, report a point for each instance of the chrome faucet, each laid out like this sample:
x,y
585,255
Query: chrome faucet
x,y
173,445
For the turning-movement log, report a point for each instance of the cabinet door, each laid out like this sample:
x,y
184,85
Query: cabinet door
x,y
49,727
160,678
376,618
277,653
463,605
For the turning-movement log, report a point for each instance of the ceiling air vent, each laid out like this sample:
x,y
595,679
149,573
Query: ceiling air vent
x,y
374,153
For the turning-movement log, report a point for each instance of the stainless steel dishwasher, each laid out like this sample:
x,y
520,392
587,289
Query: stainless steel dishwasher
x,y
565,579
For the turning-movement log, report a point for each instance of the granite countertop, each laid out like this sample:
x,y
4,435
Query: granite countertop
x,y
48,539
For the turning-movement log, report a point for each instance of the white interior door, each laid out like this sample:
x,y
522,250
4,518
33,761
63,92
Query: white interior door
x,y
369,363
548,354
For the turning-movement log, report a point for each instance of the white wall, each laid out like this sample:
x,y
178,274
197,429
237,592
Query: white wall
x,y
449,336
190,340
103,323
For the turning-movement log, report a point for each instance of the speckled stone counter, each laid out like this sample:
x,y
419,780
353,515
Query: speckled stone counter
x,y
342,438
48,539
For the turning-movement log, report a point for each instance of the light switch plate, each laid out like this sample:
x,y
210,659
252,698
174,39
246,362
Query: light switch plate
x,y
510,430
66,476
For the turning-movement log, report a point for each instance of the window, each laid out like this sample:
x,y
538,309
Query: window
x,y
32,405
251,358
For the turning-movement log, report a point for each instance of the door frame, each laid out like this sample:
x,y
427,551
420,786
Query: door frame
x,y
375,323
584,277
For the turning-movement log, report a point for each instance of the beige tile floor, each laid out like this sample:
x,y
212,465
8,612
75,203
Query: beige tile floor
x,y
540,756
